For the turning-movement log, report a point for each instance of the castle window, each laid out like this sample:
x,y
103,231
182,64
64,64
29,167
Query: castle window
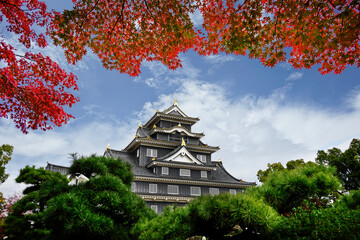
x,y
137,153
154,207
133,187
185,172
213,191
151,152
204,174
195,191
232,191
165,170
152,188
173,189
175,137
201,157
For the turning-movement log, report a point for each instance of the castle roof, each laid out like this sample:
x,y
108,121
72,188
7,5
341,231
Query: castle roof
x,y
173,113
219,174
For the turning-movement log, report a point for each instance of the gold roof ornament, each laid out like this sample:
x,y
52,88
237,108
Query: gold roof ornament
x,y
183,142
136,136
157,110
154,126
175,102
107,147
220,160
153,159
240,180
148,137
140,125
179,125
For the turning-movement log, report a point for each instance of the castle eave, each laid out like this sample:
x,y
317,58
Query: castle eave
x,y
176,128
158,115
158,143
179,165
240,185
161,198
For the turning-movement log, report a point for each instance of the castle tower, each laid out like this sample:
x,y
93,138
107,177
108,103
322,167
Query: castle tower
x,y
171,164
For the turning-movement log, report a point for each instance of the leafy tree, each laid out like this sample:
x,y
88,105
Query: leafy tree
x,y
262,175
33,88
290,165
101,208
125,33
289,188
221,216
6,208
171,224
293,164
310,222
350,201
347,163
26,221
5,156
259,213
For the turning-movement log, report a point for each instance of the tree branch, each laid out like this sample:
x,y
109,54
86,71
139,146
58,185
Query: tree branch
x,y
120,17
92,9
21,56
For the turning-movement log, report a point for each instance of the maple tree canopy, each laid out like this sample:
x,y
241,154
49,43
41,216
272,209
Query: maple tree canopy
x,y
33,88
125,33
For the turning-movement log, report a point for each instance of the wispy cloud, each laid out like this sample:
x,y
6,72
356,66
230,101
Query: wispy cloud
x,y
53,52
162,76
294,76
285,65
197,18
38,148
220,59
253,131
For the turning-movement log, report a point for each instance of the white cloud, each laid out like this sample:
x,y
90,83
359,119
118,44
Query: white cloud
x,y
55,53
253,131
220,59
162,76
353,99
285,65
38,148
197,18
294,76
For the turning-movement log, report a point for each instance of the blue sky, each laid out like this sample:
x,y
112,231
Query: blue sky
x,y
256,115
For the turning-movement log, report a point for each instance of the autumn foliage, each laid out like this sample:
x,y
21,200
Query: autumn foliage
x,y
125,33
33,88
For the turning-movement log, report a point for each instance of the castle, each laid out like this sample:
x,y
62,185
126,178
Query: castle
x,y
171,164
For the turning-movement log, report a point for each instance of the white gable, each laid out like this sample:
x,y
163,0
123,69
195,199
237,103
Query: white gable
x,y
183,156
176,109
180,130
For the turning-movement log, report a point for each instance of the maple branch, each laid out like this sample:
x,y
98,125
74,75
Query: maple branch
x,y
7,3
120,17
17,55
11,13
92,9
147,7
24,10
237,10
277,18
331,4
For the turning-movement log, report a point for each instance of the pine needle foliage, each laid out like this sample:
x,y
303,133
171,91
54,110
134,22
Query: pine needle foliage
x,y
101,208
289,188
